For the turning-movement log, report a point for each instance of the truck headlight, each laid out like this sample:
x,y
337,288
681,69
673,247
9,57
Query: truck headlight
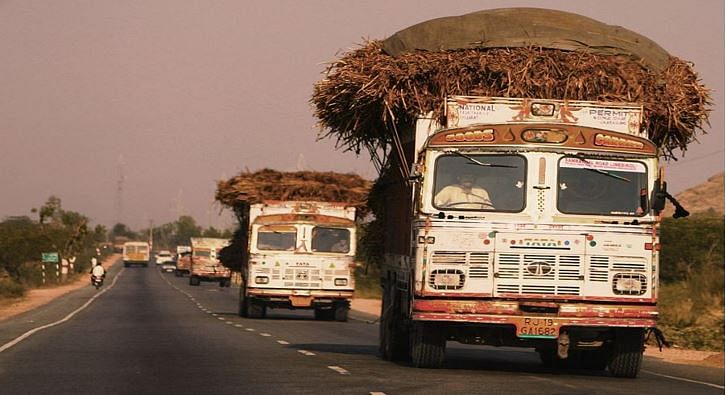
x,y
629,284
262,280
341,282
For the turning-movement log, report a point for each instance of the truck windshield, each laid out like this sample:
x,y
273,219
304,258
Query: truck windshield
x,y
479,182
601,187
276,238
331,240
202,253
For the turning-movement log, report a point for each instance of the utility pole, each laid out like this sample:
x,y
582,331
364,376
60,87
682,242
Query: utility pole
x,y
120,189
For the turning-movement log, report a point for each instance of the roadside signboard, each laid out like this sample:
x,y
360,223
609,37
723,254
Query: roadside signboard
x,y
50,257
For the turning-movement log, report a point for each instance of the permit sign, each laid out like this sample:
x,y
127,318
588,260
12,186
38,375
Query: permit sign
x,y
49,257
624,118
537,327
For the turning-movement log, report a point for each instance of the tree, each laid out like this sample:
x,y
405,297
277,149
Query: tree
x,y
212,232
186,227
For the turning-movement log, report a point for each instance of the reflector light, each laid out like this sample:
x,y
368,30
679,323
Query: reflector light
x,y
262,280
341,282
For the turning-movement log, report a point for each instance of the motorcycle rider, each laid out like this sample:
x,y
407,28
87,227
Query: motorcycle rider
x,y
97,270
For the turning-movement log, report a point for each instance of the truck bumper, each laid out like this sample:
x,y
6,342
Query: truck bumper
x,y
300,298
514,313
207,276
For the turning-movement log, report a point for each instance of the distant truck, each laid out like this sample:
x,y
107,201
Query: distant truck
x,y
300,256
136,253
183,260
204,264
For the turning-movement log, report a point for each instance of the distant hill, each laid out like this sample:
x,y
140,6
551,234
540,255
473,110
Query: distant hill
x,y
706,198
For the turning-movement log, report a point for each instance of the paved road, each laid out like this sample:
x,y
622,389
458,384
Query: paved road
x,y
148,332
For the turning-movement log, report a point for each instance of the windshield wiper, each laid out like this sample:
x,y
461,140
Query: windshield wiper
x,y
477,162
601,171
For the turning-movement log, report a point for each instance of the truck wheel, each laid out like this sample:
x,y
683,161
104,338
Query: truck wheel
x,y
242,305
194,280
322,315
255,310
177,273
596,359
428,346
126,264
341,313
627,352
393,336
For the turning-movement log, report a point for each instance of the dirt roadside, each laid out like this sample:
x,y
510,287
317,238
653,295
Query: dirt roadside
x,y
38,297
672,355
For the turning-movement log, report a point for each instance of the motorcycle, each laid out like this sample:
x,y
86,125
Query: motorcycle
x,y
97,281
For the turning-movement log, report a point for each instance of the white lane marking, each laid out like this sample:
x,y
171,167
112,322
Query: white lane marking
x,y
64,319
339,370
219,318
215,315
265,334
306,352
683,379
376,393
239,325
283,342
250,329
228,322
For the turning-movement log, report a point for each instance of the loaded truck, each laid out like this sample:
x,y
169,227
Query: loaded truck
x,y
136,253
204,264
300,255
527,223
183,260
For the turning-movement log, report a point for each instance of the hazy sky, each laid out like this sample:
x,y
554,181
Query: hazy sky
x,y
172,95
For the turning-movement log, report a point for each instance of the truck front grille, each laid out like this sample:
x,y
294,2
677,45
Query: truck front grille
x,y
546,274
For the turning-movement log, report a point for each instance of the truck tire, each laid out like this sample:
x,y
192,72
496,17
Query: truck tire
x,y
627,353
194,280
340,313
255,309
177,273
596,359
428,345
242,305
393,338
323,314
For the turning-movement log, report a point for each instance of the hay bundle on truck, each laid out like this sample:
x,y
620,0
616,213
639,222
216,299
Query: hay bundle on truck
x,y
296,243
519,195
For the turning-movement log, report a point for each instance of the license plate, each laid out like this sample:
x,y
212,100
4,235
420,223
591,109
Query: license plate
x,y
538,327
301,301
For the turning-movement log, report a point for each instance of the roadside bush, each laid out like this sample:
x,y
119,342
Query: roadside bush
x,y
11,289
367,285
691,300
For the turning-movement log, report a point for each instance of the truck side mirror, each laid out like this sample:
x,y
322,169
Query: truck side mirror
x,y
659,196
415,174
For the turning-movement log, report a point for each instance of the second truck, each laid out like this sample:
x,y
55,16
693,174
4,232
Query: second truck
x,y
300,256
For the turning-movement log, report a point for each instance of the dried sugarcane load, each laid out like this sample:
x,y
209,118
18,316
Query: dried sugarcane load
x,y
296,243
520,193
515,52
